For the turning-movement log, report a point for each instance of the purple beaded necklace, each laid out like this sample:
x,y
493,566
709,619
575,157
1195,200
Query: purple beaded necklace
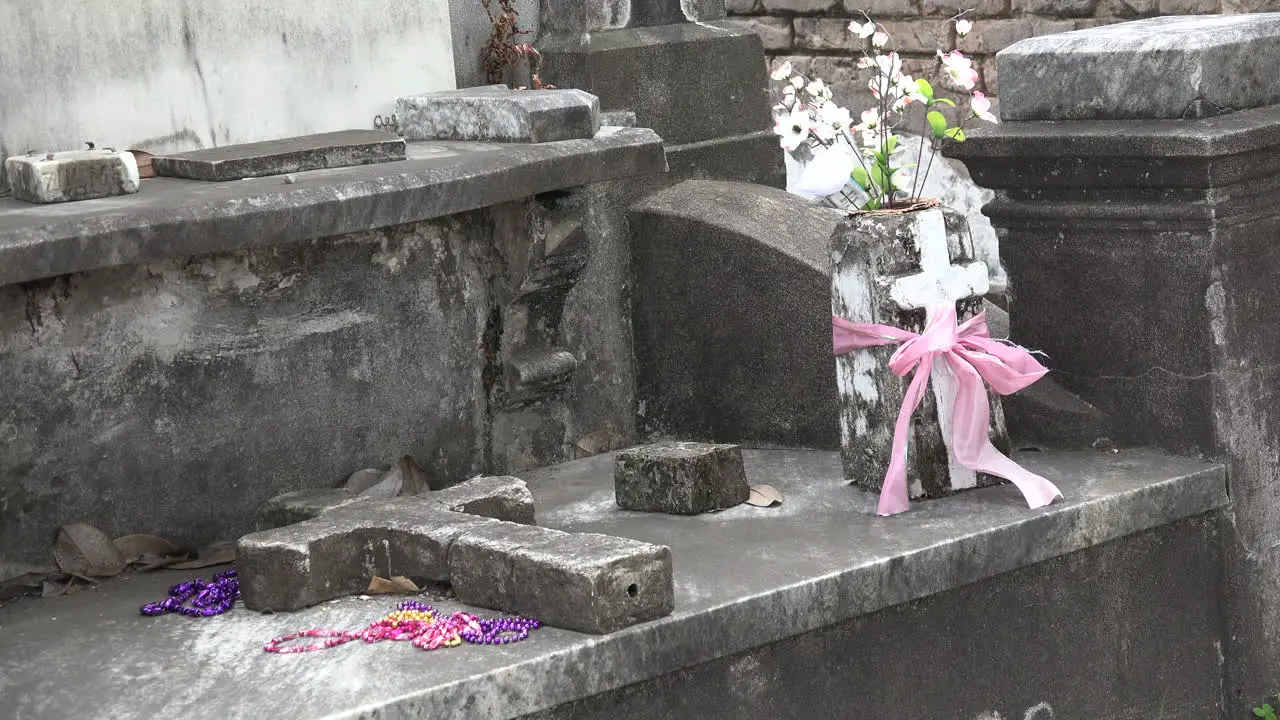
x,y
207,599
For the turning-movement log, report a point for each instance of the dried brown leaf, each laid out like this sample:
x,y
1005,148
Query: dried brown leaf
x,y
135,547
414,477
219,553
362,480
600,441
764,496
150,562
388,487
85,550
396,585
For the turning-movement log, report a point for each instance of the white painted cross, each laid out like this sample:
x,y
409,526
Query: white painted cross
x,y
939,283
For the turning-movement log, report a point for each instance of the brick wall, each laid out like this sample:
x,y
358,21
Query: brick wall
x,y
812,32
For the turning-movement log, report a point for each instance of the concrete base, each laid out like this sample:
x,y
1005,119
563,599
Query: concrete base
x,y
1103,605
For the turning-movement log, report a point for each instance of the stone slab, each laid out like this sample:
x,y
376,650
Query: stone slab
x,y
681,478
498,497
745,270
747,577
496,114
71,176
591,583
178,218
1158,68
324,151
338,553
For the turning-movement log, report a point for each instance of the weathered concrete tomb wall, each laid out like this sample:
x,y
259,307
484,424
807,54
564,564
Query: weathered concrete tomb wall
x,y
148,389
171,75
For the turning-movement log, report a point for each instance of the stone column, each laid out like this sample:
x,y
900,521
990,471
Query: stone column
x,y
1138,208
700,83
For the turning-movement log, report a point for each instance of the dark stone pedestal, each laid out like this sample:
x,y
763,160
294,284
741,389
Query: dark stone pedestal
x,y
1143,260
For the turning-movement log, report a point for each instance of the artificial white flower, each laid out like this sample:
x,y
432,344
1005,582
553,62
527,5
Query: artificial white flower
x,y
880,39
900,179
981,107
827,173
797,82
816,88
832,120
959,68
870,119
864,31
782,72
789,94
963,27
792,128
865,62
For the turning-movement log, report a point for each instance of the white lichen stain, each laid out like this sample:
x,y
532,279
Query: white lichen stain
x,y
1215,301
865,368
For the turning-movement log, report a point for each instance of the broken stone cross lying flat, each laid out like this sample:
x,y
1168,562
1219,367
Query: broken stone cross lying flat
x,y
478,535
895,269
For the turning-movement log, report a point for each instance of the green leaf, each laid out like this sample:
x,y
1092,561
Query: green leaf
x,y
860,176
956,134
937,122
925,88
948,101
892,142
878,174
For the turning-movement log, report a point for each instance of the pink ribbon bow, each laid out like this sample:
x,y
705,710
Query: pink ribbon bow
x,y
973,357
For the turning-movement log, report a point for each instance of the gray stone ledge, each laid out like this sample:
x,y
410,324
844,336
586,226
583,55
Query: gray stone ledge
x,y
179,218
1241,132
745,577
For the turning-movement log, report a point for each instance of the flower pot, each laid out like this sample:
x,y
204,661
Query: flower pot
x,y
894,267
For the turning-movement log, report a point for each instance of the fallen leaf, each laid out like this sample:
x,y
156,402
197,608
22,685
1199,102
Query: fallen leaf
x,y
219,553
85,550
21,579
362,480
764,496
135,547
149,562
54,587
414,478
396,585
600,441
388,487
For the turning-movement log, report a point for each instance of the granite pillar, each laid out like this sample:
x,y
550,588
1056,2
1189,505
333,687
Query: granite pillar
x,y
1137,207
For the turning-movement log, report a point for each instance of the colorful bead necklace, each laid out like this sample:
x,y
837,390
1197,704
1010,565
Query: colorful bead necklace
x,y
420,624
207,599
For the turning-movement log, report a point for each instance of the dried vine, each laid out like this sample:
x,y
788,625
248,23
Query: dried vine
x,y
502,50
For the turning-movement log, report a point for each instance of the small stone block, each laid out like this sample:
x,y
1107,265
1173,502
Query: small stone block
x,y
303,505
498,497
1124,71
338,553
498,114
344,148
70,176
588,583
680,478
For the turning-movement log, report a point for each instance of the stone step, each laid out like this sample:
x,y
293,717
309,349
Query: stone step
x,y
777,614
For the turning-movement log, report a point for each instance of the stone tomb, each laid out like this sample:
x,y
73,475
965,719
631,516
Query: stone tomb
x,y
478,536
890,269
